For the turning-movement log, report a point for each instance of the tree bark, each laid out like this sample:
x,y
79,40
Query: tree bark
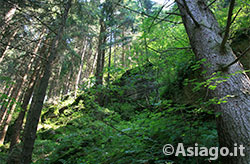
x,y
39,94
101,53
110,55
123,52
94,61
19,121
233,123
89,62
51,87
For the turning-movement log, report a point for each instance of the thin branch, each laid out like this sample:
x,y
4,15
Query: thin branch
x,y
168,14
32,15
177,48
245,2
236,15
44,24
110,125
210,4
20,49
232,20
169,49
165,18
177,14
145,14
156,17
238,58
229,21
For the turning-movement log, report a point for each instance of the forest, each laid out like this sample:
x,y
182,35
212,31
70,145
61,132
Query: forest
x,y
124,81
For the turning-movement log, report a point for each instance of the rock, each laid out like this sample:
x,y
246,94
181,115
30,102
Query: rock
x,y
138,83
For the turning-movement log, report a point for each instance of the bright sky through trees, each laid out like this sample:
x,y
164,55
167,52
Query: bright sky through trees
x,y
164,2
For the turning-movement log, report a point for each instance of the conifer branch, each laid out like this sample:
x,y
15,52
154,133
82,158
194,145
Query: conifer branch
x,y
20,49
145,14
229,22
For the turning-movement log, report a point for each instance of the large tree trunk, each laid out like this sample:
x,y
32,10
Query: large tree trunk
x,y
39,95
233,123
100,58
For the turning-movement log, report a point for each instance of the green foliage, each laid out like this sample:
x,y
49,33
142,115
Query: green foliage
x,y
241,19
3,152
119,133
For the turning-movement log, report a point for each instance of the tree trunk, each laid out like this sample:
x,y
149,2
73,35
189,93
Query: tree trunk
x,y
83,52
93,64
51,88
18,95
89,62
110,55
5,102
4,89
19,121
233,124
5,107
39,95
6,47
6,122
123,52
114,53
66,85
101,53
7,18
57,88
